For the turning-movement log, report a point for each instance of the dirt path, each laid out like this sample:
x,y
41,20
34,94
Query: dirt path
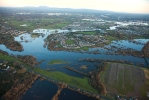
x,y
60,88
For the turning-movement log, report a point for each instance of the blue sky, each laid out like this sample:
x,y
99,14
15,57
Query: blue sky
x,y
131,6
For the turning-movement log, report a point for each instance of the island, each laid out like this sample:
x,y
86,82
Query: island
x,y
52,62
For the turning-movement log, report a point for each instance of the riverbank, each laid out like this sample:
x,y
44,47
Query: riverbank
x,y
9,42
81,83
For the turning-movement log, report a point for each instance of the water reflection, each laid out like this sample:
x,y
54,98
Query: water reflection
x,y
35,47
40,90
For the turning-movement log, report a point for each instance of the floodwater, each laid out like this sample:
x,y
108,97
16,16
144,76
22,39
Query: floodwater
x,y
40,90
44,90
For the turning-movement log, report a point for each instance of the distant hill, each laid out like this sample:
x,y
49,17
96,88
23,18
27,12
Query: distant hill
x,y
54,9
45,9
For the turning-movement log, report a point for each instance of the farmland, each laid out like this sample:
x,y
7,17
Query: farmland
x,y
125,79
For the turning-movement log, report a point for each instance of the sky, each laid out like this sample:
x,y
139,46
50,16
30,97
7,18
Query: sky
x,y
130,6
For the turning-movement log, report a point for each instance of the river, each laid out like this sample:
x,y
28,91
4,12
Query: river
x,y
45,89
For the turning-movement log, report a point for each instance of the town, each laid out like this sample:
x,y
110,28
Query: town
x,y
53,53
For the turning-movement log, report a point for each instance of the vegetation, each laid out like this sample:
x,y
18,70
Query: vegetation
x,y
61,25
57,62
7,58
75,81
52,23
110,38
35,35
121,78
69,41
144,89
5,83
103,27
10,42
104,75
12,59
88,33
85,48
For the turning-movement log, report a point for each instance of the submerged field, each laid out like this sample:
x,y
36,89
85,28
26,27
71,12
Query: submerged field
x,y
126,80
56,75
71,80
52,62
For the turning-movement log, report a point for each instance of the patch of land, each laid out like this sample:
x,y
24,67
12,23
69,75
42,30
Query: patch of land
x,y
14,78
35,35
71,80
125,79
9,42
52,62
69,41
88,33
145,87
83,67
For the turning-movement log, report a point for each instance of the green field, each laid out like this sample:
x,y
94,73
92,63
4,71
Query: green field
x,y
88,33
46,23
61,25
123,79
85,48
110,38
75,81
52,62
145,87
7,58
35,35
69,41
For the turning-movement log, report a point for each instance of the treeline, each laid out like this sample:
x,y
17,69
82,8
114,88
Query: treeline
x,y
10,43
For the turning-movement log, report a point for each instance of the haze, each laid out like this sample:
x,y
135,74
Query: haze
x,y
130,6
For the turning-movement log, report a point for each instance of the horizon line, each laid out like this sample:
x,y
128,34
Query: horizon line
x,y
73,9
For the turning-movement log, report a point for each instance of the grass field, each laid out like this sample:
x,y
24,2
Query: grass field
x,y
52,62
88,33
35,35
7,58
126,79
75,81
145,87
69,41
85,48
46,23
110,38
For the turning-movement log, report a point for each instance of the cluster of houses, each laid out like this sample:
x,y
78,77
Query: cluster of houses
x,y
5,67
11,32
81,26
77,40
137,30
